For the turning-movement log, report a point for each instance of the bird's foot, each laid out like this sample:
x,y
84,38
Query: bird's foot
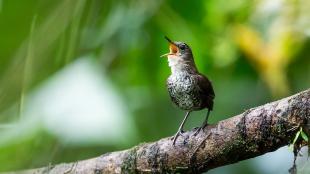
x,y
175,137
199,129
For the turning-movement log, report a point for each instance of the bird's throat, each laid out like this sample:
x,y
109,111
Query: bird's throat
x,y
179,66
173,61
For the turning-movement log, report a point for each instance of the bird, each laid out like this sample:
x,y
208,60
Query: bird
x,y
188,89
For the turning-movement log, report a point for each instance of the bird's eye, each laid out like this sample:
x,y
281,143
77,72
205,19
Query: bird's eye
x,y
182,47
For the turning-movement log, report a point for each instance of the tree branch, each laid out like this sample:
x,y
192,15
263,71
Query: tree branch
x,y
253,133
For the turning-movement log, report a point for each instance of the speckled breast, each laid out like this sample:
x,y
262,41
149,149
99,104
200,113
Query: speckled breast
x,y
184,91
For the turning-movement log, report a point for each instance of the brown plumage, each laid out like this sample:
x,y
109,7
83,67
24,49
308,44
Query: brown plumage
x,y
188,89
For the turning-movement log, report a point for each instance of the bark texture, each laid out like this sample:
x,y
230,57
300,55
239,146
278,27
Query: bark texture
x,y
253,133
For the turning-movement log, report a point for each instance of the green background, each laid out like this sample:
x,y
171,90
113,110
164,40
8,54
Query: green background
x,y
63,63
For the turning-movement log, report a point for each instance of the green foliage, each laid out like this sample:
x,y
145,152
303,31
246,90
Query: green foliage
x,y
251,57
298,134
303,135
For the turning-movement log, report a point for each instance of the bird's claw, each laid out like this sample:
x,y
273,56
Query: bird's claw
x,y
197,131
200,128
175,137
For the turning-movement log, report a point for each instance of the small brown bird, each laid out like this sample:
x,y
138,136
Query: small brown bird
x,y
188,89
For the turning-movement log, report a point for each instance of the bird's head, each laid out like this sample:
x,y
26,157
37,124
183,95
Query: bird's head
x,y
180,54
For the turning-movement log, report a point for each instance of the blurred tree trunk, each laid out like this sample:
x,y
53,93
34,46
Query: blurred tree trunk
x,y
253,133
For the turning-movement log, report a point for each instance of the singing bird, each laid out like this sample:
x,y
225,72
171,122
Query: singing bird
x,y
188,89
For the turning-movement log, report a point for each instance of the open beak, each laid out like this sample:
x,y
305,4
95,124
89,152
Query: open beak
x,y
172,47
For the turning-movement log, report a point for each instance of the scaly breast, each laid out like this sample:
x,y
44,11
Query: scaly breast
x,y
182,90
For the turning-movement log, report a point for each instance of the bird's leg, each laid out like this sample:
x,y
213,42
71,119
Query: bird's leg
x,y
204,124
180,130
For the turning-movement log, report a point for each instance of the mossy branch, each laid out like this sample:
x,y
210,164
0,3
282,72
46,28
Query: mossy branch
x,y
253,133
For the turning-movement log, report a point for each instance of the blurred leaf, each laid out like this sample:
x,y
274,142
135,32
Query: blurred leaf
x,y
296,137
303,135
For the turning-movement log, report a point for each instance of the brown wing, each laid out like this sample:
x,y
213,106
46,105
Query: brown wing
x,y
206,90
